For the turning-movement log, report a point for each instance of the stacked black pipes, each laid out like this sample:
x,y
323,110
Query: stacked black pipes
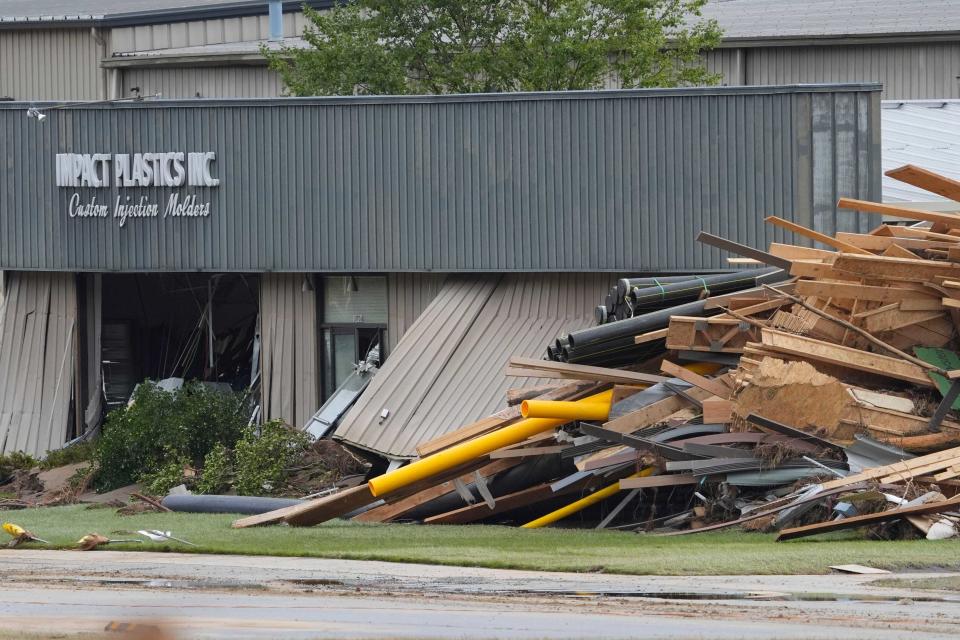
x,y
647,304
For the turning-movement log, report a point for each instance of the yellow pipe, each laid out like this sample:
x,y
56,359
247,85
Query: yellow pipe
x,y
471,450
582,503
567,410
703,368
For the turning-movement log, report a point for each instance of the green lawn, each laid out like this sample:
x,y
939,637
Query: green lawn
x,y
719,553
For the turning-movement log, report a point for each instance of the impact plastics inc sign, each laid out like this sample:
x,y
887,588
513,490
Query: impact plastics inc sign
x,y
180,173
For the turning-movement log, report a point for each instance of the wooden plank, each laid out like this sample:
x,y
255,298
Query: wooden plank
x,y
900,231
875,473
884,268
893,319
818,271
848,357
948,220
586,372
795,252
927,180
815,235
653,412
868,519
718,334
667,480
921,304
717,410
714,387
897,251
881,243
650,336
391,511
824,289
519,394
314,511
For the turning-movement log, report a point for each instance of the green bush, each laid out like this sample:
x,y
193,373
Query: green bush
x,y
159,482
265,455
217,471
80,452
160,427
14,461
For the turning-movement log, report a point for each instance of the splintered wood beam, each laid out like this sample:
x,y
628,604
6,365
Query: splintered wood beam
x,y
870,518
881,243
886,268
653,412
313,511
859,291
584,372
865,206
848,357
714,387
927,180
801,230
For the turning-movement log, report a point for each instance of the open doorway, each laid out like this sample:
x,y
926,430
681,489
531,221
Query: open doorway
x,y
191,326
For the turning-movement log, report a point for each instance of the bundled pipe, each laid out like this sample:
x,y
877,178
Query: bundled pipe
x,y
613,343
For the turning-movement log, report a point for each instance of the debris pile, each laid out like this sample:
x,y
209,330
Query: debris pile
x,y
810,393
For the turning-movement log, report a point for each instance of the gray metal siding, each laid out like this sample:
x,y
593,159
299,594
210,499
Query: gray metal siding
x,y
204,82
609,181
408,294
54,64
200,32
907,71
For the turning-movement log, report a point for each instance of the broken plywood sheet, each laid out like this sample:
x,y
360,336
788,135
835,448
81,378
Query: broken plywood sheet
x,y
797,394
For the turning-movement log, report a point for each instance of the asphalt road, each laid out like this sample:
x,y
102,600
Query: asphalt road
x,y
196,596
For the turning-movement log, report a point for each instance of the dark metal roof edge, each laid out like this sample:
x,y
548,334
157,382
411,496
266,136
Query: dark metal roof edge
x,y
468,97
825,39
155,16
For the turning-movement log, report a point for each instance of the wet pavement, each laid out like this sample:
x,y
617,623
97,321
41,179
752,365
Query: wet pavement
x,y
205,596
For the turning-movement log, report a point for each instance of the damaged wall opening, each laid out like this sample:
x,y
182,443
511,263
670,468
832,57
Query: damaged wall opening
x,y
190,326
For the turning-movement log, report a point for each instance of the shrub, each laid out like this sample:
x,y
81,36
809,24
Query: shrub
x,y
80,452
217,470
159,482
15,461
160,427
265,455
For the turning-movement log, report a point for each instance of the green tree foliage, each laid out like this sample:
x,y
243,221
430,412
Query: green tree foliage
x,y
469,46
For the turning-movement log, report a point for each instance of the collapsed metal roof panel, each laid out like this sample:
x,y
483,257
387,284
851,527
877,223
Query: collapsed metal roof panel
x,y
447,371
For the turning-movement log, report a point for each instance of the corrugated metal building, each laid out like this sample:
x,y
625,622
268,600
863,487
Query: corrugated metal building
x,y
100,49
911,48
279,240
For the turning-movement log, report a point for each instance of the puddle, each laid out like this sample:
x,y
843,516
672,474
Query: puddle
x,y
731,595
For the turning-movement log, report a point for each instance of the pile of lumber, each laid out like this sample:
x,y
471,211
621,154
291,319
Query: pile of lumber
x,y
811,394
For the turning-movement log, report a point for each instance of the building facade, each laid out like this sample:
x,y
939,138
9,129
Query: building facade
x,y
272,243
105,49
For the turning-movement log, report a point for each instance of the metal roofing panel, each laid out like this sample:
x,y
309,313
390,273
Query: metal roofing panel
x,y
448,370
922,132
566,181
767,19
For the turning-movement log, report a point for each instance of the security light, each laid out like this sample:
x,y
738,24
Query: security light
x,y
33,112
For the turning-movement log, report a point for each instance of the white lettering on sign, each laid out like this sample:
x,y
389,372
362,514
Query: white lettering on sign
x,y
137,170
